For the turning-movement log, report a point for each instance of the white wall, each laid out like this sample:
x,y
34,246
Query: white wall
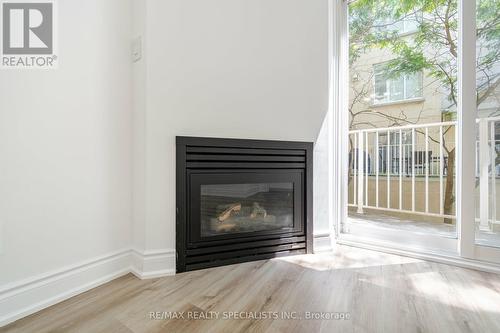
x,y
139,86
65,147
226,68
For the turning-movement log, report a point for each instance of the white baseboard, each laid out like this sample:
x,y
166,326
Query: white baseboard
x,y
153,264
28,296
322,243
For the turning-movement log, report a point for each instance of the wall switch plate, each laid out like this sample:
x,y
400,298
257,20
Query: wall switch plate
x,y
136,49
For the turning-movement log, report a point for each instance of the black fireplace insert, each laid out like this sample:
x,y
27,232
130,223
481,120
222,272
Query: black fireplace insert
x,y
241,200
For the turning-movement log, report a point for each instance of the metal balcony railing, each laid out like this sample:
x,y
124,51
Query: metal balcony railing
x,y
397,155
391,157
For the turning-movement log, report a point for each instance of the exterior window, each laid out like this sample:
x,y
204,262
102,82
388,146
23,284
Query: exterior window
x,y
390,89
405,25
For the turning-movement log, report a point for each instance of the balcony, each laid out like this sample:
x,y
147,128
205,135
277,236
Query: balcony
x,y
404,178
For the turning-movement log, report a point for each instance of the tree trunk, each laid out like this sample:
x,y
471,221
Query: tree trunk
x,y
449,197
351,162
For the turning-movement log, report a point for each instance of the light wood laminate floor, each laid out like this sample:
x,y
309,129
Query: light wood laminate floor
x,y
379,292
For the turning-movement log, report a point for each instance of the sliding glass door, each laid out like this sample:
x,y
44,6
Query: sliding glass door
x,y
402,118
409,119
487,231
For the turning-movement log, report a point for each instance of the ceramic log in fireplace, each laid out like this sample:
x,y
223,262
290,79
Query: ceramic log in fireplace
x,y
242,200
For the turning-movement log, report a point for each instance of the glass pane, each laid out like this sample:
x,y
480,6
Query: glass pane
x,y
488,123
411,23
413,85
381,94
398,24
396,89
402,154
235,208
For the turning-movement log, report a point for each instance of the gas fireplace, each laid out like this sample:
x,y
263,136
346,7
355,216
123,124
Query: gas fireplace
x,y
241,200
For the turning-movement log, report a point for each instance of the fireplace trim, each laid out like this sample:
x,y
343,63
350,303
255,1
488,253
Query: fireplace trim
x,y
283,243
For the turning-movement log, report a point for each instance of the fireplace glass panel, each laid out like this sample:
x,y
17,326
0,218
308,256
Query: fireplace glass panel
x,y
242,208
